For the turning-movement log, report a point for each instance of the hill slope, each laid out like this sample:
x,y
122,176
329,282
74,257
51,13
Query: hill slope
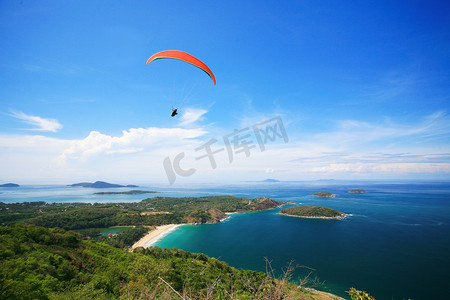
x,y
151,212
41,263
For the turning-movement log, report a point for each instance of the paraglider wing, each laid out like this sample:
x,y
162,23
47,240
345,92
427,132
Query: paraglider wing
x,y
181,55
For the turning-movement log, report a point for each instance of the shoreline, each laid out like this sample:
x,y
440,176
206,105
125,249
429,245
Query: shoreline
x,y
326,294
161,231
154,235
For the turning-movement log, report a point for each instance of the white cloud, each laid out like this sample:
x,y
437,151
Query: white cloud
x,y
40,123
131,141
354,149
269,171
376,150
36,144
136,153
383,168
25,158
192,115
351,133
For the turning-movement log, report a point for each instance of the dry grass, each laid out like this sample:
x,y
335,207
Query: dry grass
x,y
153,213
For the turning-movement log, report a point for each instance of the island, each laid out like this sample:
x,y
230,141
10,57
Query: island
x,y
9,185
100,185
271,180
357,191
323,194
133,192
314,212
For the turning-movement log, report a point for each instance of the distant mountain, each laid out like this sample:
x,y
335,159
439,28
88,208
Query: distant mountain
x,y
9,185
101,184
270,180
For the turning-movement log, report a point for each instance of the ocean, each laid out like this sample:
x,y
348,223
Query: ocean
x,y
395,244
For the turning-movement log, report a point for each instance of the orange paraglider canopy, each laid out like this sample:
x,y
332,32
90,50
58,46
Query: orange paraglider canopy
x,y
181,55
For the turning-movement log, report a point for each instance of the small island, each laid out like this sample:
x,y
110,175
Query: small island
x,y
9,185
101,184
357,191
323,194
314,212
133,192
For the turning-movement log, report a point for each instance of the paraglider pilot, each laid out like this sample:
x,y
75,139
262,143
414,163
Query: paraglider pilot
x,y
174,112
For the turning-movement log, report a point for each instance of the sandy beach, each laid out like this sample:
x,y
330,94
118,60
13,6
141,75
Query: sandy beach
x,y
153,236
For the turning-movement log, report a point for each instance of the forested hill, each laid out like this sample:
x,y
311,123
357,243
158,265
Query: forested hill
x,y
151,212
41,263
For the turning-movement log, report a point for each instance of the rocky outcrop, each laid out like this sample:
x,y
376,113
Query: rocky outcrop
x,y
216,216
266,203
324,194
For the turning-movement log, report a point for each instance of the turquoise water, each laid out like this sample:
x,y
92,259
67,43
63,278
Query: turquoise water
x,y
396,244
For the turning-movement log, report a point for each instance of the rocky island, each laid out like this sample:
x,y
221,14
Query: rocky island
x,y
101,184
323,194
315,212
357,191
133,192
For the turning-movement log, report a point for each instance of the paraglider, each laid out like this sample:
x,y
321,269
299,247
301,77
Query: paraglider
x,y
174,112
186,57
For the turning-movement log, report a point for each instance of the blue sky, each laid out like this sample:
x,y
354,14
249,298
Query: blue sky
x,y
362,90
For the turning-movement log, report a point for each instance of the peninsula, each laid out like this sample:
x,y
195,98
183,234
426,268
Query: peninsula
x,y
323,194
316,212
133,192
155,211
101,184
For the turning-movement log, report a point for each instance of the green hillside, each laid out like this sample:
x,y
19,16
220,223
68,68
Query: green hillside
x,y
42,263
149,212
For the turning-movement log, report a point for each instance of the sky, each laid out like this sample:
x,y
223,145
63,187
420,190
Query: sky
x,y
306,90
